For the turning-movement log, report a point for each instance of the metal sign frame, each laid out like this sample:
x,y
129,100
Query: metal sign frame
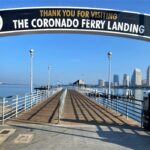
x,y
115,23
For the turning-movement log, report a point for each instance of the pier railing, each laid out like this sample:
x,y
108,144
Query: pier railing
x,y
12,106
131,108
127,107
61,104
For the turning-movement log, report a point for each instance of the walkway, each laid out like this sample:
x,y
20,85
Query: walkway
x,y
78,110
93,137
85,125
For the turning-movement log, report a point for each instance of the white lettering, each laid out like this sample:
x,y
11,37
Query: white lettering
x,y
15,24
21,24
57,22
108,25
125,27
33,23
93,24
141,29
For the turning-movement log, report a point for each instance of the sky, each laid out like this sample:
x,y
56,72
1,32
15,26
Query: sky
x,y
72,56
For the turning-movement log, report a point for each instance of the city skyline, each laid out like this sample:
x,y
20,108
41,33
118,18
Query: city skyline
x,y
72,56
136,79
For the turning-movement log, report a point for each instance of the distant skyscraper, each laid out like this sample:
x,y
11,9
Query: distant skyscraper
x,y
148,76
144,82
106,83
126,80
136,78
116,80
101,83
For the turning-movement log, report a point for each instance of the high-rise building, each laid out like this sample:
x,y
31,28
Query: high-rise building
x,y
148,76
106,83
136,78
116,80
126,80
101,83
144,82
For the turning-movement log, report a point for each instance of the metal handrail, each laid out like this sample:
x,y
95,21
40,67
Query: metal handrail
x,y
131,108
61,104
121,106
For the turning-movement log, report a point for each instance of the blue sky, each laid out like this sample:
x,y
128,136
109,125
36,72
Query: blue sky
x,y
72,56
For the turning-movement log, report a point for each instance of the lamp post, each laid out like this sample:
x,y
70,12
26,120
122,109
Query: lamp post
x,y
48,77
109,74
31,70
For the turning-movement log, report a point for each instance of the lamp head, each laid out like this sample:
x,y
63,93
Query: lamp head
x,y
109,54
31,51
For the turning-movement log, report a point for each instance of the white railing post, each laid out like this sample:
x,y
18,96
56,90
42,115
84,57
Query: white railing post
x,y
25,102
31,99
42,96
16,106
38,96
36,99
126,109
103,102
49,93
3,111
142,107
111,103
46,94
53,91
116,106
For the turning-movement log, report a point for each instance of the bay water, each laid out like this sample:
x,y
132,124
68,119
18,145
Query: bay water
x,y
7,90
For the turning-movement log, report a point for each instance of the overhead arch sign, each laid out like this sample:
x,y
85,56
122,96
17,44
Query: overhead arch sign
x,y
70,19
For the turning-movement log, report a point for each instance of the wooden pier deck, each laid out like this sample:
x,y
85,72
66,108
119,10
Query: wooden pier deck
x,y
78,109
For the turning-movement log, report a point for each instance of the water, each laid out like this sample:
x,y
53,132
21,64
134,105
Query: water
x,y
14,89
138,93
11,90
